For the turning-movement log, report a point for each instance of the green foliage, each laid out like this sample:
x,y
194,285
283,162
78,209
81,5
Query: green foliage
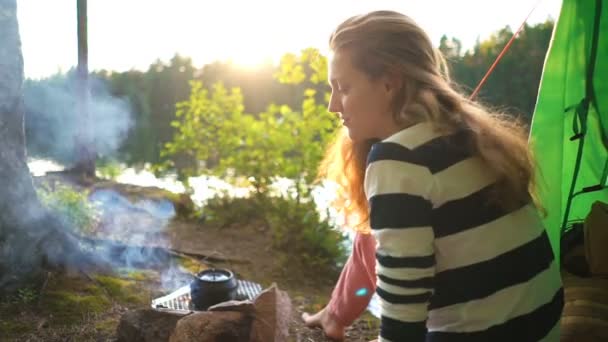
x,y
68,307
72,206
107,326
23,296
307,240
123,290
279,142
26,295
207,125
192,265
312,241
310,66
513,85
213,128
14,327
223,210
108,169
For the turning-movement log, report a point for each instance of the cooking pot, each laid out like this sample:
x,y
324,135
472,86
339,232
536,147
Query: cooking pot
x,y
212,286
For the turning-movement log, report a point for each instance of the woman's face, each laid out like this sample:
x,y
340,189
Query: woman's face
x,y
364,105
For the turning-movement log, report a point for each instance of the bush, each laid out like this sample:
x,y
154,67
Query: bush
x,y
310,239
25,295
223,210
211,127
296,227
108,169
73,207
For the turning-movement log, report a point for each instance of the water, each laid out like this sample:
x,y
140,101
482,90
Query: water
x,y
204,187
39,167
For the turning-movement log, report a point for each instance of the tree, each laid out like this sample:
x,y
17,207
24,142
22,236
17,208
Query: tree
x,y
29,234
212,127
513,85
85,151
256,149
451,48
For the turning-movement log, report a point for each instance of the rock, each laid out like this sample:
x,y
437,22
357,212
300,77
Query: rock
x,y
244,306
205,326
271,316
266,319
147,325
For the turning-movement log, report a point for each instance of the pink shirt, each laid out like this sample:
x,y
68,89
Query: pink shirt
x,y
357,282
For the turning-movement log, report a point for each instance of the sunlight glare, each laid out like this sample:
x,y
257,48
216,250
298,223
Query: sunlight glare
x,y
249,39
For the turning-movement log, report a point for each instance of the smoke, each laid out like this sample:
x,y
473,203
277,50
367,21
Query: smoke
x,y
52,119
131,232
140,225
30,235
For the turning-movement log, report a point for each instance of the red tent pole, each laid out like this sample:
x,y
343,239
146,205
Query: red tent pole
x,y
483,80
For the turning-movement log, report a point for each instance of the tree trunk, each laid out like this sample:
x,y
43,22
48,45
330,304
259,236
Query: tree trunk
x,y
29,234
85,147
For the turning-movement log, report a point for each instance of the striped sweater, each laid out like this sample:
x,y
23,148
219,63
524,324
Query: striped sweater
x,y
452,266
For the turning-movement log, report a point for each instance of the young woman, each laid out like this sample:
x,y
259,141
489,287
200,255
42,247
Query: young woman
x,y
447,188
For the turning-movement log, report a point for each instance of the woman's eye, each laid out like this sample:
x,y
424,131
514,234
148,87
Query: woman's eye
x,y
343,89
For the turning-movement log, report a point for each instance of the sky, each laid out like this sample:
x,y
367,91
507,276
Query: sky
x,y
132,34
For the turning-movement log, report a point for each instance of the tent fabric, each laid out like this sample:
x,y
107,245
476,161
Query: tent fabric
x,y
570,122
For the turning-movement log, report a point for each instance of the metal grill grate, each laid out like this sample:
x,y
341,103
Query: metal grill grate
x,y
180,299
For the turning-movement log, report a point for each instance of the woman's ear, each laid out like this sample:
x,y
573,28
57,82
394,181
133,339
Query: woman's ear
x,y
392,83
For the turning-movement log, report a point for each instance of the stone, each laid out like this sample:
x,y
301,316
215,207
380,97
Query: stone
x,y
264,319
205,326
271,316
147,325
244,306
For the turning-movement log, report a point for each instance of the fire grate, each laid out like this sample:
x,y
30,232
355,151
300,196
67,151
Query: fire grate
x,y
180,300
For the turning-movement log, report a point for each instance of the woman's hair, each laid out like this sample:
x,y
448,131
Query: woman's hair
x,y
386,43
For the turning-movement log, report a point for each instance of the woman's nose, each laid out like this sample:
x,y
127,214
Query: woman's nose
x,y
334,105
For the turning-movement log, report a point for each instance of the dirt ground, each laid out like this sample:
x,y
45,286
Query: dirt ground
x,y
251,257
255,260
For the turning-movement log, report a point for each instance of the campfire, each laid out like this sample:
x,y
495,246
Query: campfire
x,y
212,304
254,315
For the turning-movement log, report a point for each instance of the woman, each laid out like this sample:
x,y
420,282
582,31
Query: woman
x,y
447,188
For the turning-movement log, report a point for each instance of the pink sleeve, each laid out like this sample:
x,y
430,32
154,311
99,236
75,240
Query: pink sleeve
x,y
357,282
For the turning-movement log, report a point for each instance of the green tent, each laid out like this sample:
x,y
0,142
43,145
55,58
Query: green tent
x,y
569,133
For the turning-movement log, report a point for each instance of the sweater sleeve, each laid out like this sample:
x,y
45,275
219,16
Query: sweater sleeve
x,y
357,281
400,217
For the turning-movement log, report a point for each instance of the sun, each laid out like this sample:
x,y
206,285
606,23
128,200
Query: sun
x,y
255,41
249,62
246,52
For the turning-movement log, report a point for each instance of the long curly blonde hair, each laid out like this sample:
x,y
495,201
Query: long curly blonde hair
x,y
390,43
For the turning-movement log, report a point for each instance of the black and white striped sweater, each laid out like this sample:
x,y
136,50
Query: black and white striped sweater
x,y
452,266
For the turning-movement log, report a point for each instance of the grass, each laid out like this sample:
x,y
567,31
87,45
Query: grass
x,y
106,326
70,299
78,308
125,291
191,265
68,307
14,327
